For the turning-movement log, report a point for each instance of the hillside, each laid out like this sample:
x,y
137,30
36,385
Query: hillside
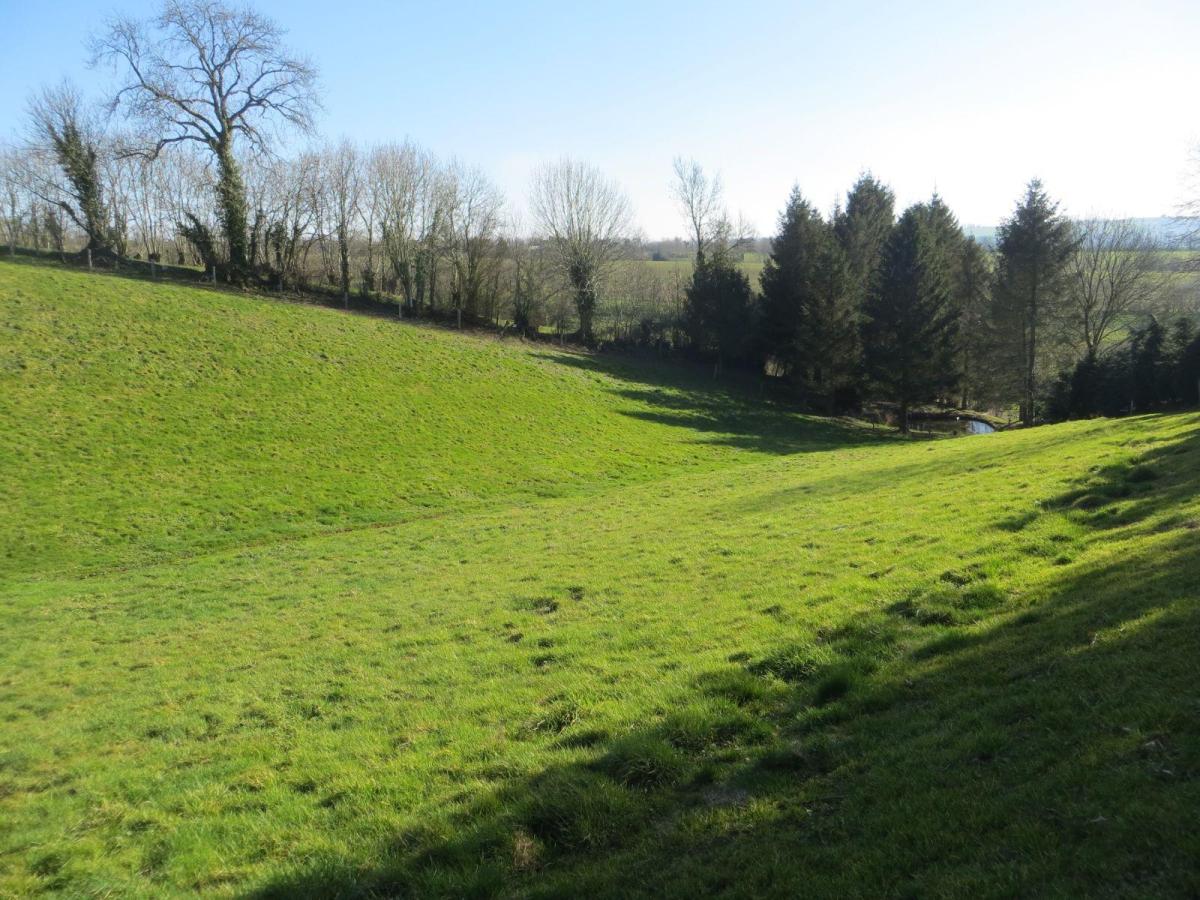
x,y
149,420
295,602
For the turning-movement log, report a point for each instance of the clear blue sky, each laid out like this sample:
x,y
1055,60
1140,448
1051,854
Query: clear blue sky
x,y
1100,99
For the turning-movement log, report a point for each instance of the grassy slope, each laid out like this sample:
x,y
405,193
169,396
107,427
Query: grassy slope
x,y
916,668
153,420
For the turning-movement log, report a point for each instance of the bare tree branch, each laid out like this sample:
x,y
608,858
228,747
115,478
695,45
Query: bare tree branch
x,y
587,219
1111,275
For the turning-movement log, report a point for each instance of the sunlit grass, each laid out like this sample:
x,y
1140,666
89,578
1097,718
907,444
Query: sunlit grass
x,y
148,420
729,651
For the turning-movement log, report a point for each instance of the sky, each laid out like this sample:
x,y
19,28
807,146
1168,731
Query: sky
x,y
1099,99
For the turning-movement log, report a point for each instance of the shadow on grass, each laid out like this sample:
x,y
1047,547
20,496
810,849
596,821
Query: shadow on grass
x,y
735,410
963,740
1163,478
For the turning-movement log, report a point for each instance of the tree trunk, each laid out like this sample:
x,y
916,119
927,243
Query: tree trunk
x,y
344,252
966,375
231,205
1031,358
585,307
433,284
412,281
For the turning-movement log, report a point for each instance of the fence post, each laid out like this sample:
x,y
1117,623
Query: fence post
x,y
214,274
89,255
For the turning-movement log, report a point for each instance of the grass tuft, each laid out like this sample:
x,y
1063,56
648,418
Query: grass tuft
x,y
644,762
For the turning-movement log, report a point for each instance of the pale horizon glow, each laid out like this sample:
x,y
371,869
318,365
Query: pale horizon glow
x,y
1097,99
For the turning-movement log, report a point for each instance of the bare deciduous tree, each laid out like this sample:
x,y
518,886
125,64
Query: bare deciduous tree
x,y
204,72
287,211
472,221
411,193
533,284
1188,212
65,132
1110,275
14,176
701,200
342,184
586,219
369,210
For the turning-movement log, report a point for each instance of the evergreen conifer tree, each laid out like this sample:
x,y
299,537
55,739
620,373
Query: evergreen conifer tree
x,y
787,282
862,228
718,309
1147,357
829,346
1034,247
974,287
810,317
912,324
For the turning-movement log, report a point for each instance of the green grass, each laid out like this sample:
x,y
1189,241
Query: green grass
x,y
649,638
751,264
146,421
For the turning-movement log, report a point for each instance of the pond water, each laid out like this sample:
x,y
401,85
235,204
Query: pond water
x,y
961,425
975,426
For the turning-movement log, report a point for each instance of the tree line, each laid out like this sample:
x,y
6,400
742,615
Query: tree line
x,y
1058,320
866,303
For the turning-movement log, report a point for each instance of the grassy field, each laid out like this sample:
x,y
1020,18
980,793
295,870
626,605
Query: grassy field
x,y
294,602
669,270
156,420
750,263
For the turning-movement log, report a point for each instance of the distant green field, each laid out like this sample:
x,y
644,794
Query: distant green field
x,y
751,264
1177,271
299,603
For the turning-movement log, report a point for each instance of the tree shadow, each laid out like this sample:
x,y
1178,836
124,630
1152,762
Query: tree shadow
x,y
971,737
739,410
972,454
1161,479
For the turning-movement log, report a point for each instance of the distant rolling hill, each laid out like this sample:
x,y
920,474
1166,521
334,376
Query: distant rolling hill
x,y
1168,230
